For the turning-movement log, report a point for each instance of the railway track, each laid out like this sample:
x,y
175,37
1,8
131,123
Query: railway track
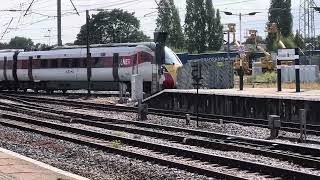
x,y
217,141
286,126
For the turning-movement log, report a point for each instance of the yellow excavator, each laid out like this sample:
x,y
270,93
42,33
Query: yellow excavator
x,y
266,61
243,59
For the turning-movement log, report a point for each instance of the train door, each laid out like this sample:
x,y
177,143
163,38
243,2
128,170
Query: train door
x,y
81,69
3,69
115,71
135,65
9,67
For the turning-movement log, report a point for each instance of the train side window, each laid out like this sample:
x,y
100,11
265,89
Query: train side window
x,y
146,57
44,63
75,63
53,63
107,62
64,63
24,64
98,62
19,64
84,62
36,63
9,64
1,64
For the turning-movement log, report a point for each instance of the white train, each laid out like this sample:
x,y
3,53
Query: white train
x,y
66,69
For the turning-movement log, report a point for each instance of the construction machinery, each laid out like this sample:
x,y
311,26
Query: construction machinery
x,y
243,60
266,61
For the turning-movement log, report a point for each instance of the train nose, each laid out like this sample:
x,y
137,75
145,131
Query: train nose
x,y
168,82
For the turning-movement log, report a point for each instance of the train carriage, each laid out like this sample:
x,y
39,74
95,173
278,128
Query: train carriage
x,y
66,69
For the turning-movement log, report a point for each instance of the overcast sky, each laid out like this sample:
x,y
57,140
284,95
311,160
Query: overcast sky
x,y
40,23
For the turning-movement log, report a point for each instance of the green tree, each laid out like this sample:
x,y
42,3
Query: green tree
x,y
4,46
112,26
299,41
218,28
41,47
280,13
21,43
210,18
203,28
169,21
195,26
200,26
177,38
189,26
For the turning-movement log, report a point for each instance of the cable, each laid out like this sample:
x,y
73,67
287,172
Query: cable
x,y
75,7
28,8
6,28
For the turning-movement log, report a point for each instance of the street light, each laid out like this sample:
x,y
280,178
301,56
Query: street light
x,y
241,73
240,18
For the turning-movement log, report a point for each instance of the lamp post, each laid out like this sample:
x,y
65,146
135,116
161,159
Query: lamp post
x,y
241,73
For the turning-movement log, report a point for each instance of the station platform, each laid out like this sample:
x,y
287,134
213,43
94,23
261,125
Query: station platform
x,y
14,166
251,102
307,95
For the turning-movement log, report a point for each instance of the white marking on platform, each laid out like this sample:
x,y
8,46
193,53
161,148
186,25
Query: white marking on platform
x,y
43,165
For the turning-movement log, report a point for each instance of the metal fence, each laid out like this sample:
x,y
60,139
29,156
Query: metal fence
x,y
216,74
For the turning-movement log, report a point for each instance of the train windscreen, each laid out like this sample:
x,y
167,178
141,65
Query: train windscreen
x,y
171,57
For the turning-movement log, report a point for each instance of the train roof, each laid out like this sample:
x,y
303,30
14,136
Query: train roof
x,y
151,45
81,52
10,50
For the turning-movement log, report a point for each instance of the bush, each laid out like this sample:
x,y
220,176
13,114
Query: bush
x,y
268,77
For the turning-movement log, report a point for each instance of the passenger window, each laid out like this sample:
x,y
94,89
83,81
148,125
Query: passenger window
x,y
44,63
36,63
53,63
146,57
64,63
75,63
9,64
84,62
24,64
98,62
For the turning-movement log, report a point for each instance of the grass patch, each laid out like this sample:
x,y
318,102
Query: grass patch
x,y
269,80
119,133
116,144
268,77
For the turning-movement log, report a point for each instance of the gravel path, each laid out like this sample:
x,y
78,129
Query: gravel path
x,y
87,162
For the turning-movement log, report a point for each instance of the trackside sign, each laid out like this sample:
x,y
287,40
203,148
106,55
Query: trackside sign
x,y
287,55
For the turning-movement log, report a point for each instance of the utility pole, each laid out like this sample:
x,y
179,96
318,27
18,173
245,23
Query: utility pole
x,y
89,71
241,48
59,22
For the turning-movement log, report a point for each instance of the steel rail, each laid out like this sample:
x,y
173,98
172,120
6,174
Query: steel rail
x,y
223,161
85,119
90,142
286,126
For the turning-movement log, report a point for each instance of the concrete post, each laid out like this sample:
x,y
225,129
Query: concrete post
x,y
188,119
137,95
122,92
279,75
274,126
303,124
